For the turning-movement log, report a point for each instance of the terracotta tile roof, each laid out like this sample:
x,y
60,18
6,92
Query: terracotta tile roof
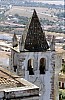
x,y
13,86
8,80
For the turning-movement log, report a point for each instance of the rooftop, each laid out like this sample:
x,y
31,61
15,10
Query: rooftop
x,y
11,85
9,80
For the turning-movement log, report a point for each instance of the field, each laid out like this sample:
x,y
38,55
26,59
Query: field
x,y
27,12
55,34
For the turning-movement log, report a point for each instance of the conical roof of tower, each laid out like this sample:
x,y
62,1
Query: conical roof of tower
x,y
35,39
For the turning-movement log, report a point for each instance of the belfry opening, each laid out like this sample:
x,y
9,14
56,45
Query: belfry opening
x,y
42,65
30,67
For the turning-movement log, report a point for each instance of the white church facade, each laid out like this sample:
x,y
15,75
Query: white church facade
x,y
33,59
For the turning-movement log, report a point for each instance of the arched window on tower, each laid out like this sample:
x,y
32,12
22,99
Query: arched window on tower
x,y
14,62
42,65
30,67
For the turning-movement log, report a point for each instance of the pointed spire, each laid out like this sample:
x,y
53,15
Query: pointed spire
x,y
21,42
52,46
34,14
14,41
35,39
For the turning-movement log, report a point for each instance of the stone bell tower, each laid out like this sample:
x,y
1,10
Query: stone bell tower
x,y
35,61
35,58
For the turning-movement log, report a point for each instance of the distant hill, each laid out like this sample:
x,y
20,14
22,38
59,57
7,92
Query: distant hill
x,y
22,2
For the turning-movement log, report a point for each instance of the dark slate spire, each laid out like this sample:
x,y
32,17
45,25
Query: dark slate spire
x,y
35,39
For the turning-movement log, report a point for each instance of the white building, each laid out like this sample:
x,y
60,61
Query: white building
x,y
35,61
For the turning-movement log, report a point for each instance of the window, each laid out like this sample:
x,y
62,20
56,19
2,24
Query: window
x,y
59,84
62,85
30,67
42,65
15,67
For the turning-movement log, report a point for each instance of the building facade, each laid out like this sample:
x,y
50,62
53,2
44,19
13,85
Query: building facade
x,y
35,60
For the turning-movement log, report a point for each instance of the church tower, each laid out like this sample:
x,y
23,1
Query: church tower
x,y
34,60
